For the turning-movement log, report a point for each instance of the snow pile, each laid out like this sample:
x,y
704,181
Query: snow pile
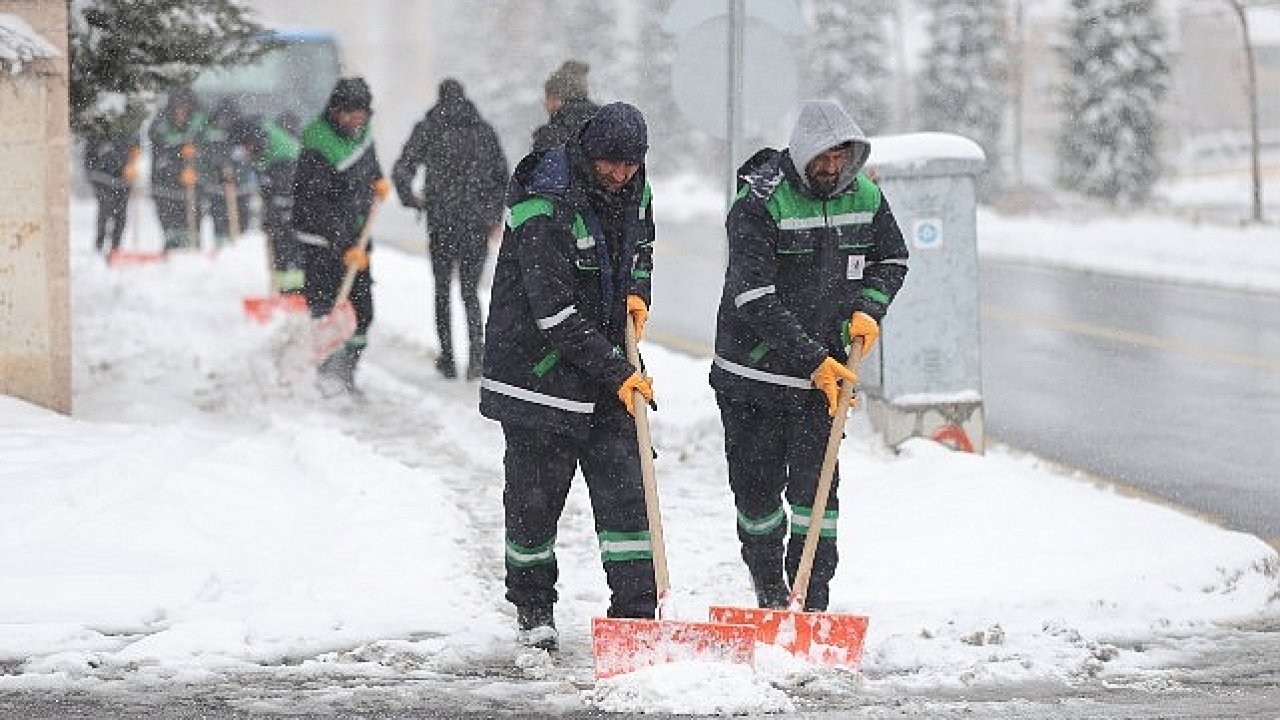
x,y
20,45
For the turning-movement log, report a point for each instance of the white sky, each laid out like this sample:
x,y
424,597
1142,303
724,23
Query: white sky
x,y
194,520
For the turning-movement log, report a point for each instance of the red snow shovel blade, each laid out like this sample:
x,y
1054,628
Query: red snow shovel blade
x,y
822,638
623,645
330,331
260,309
134,257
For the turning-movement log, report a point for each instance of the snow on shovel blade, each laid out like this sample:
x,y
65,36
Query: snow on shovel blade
x,y
623,645
332,330
261,308
822,638
119,256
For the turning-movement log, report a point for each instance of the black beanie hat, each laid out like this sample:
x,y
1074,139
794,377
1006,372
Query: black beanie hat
x,y
616,132
351,93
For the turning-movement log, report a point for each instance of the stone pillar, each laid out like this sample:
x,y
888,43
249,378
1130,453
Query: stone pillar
x,y
35,305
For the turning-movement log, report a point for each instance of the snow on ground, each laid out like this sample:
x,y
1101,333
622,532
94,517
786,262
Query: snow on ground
x,y
204,517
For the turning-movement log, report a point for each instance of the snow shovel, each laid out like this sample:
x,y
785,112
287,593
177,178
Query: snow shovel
x,y
820,637
622,645
189,179
132,255
233,202
330,331
260,308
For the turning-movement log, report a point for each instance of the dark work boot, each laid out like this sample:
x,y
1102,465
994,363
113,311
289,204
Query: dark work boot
x,y
771,593
537,625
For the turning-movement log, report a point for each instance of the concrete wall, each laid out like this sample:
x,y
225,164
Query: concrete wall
x,y
35,305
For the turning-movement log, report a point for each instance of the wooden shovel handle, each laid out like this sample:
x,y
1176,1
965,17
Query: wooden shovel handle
x,y
362,243
800,587
645,446
233,202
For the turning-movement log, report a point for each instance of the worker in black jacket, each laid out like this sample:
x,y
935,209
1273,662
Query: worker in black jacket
x,y
565,98
111,166
574,266
464,176
334,185
175,135
274,153
815,258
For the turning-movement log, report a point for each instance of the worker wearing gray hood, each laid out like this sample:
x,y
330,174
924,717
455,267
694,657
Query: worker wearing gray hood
x,y
823,125
815,259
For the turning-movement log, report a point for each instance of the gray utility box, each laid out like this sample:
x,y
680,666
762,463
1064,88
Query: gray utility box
x,y
924,377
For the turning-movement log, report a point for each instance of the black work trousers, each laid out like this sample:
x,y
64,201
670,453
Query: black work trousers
x,y
324,272
171,209
539,470
776,451
465,249
113,210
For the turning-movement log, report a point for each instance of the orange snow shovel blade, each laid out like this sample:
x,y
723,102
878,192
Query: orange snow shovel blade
x,y
330,331
623,645
821,638
261,308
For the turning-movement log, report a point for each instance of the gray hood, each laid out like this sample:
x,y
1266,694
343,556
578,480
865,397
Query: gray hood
x,y
822,125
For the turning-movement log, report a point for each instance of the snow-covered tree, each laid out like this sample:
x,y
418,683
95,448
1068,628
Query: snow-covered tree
x,y
847,56
124,52
964,86
1115,56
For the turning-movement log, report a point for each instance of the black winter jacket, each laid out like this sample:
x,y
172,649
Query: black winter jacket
x,y
465,172
106,158
333,185
564,125
167,141
570,256
799,267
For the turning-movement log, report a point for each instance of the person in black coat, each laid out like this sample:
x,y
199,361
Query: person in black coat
x,y
573,268
567,104
111,165
465,174
274,152
174,136
815,259
224,173
334,186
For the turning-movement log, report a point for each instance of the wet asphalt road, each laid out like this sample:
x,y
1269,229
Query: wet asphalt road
x,y
1170,389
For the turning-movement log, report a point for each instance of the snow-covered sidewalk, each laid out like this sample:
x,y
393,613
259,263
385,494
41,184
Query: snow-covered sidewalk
x,y
196,521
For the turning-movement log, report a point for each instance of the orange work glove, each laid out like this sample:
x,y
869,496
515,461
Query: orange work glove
x,y
639,312
381,188
356,258
188,176
827,377
188,152
636,383
862,325
130,173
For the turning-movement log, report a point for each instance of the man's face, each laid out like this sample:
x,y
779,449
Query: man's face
x,y
552,103
350,121
823,172
614,174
